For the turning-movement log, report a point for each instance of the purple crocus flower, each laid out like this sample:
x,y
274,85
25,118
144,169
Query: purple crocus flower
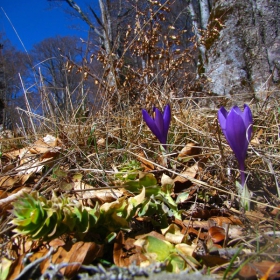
x,y
237,128
158,123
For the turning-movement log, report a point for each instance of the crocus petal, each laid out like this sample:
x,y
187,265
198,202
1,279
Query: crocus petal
x,y
158,120
166,120
222,116
236,134
248,121
237,110
151,124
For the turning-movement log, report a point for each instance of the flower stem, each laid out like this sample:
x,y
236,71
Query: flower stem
x,y
164,155
242,173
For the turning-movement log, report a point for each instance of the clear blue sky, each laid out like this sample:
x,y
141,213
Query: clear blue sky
x,y
35,20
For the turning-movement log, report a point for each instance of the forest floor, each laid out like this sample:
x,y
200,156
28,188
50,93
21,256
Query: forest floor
x,y
97,198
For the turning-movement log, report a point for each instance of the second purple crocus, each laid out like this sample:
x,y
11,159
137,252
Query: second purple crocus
x,y
159,123
237,127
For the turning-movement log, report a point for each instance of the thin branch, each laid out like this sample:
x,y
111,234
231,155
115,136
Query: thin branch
x,y
84,17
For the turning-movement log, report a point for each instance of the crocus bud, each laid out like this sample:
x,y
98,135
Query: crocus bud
x,y
159,123
237,127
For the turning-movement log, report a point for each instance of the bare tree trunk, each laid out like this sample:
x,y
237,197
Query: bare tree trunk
x,y
196,30
204,13
107,35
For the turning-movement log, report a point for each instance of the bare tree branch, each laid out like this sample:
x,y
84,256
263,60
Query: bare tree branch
x,y
84,17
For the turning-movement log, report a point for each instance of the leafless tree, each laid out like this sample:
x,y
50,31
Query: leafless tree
x,y
12,62
49,58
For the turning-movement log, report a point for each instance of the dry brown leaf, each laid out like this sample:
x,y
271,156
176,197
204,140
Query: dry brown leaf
x,y
265,266
8,167
57,242
152,233
189,151
29,167
39,254
220,221
186,249
275,211
173,234
198,224
28,163
10,181
39,147
162,160
126,252
190,172
3,194
254,216
12,197
255,140
236,231
34,164
48,143
102,195
81,252
84,253
49,155
201,213
217,234
16,153
247,272
145,163
101,142
197,233
166,180
264,269
16,267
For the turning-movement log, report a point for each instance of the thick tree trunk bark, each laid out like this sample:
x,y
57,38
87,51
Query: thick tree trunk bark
x,y
245,57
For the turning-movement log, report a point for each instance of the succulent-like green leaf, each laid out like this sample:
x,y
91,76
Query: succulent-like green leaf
x,y
155,210
157,249
146,180
113,215
175,263
40,218
69,218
